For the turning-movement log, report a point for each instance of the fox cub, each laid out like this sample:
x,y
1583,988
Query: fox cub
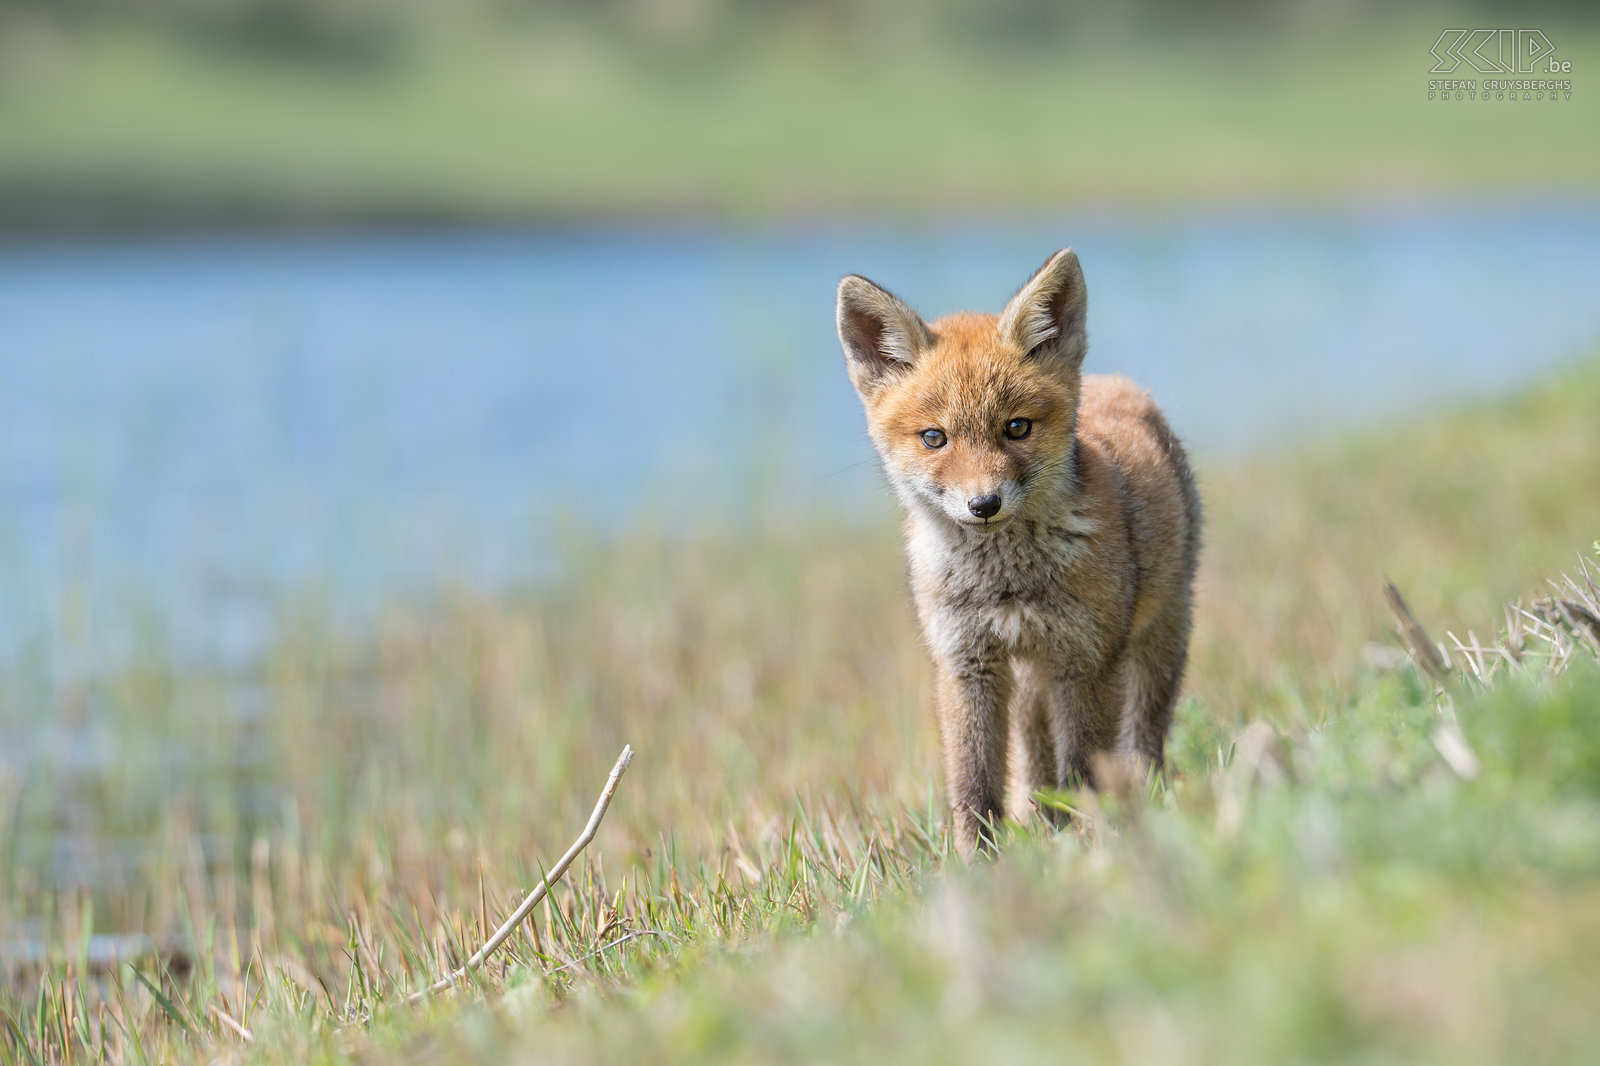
x,y
1052,529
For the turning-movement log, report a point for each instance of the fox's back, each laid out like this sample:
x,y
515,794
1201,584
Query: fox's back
x,y
1121,425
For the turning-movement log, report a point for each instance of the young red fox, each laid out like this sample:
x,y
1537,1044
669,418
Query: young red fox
x,y
1052,528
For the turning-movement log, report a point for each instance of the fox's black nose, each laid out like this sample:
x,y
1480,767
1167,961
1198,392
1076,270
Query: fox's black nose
x,y
984,506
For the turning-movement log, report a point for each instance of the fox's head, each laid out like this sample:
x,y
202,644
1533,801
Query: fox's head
x,y
972,413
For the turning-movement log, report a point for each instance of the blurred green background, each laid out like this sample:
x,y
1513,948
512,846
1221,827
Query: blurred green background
x,y
403,405
164,112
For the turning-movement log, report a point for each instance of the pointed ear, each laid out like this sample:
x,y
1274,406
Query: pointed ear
x,y
881,335
1046,316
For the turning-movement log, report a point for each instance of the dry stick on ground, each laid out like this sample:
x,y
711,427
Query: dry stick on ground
x,y
504,932
1423,650
1447,737
230,1022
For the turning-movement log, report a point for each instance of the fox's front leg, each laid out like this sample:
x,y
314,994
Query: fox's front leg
x,y
1034,744
1086,721
974,690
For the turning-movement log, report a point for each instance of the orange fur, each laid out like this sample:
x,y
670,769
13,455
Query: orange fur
x,y
1052,564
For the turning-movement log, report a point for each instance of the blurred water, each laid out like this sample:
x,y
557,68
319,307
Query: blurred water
x,y
190,429
373,413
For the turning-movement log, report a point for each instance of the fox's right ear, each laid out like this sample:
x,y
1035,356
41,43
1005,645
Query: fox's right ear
x,y
880,333
1045,318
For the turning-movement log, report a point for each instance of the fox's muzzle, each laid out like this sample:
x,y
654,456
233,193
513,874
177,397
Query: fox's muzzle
x,y
984,506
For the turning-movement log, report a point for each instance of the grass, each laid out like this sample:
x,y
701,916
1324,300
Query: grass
x,y
773,881
126,125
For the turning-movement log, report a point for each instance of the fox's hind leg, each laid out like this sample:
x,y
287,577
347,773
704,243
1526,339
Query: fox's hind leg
x,y
1154,669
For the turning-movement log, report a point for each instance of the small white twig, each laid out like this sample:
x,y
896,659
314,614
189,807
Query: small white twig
x,y
526,907
618,942
229,1022
1456,752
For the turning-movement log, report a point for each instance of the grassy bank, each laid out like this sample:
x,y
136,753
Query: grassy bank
x,y
123,125
773,883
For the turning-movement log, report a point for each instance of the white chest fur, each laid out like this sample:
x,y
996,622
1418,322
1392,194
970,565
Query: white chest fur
x,y
1008,587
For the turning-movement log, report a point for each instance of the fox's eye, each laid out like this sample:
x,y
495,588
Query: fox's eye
x,y
1018,428
933,438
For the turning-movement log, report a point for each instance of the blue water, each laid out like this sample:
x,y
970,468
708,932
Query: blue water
x,y
381,414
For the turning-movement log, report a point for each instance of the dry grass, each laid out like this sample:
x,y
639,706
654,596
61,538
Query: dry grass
x,y
359,813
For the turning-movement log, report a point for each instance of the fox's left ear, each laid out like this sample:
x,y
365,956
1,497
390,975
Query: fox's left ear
x,y
1046,317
